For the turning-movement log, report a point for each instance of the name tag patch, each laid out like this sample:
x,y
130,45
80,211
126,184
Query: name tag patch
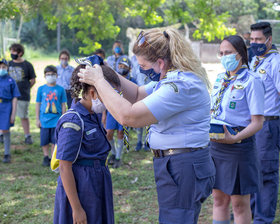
x,y
91,131
71,125
232,105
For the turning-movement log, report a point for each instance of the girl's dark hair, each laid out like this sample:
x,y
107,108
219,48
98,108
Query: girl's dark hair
x,y
239,45
77,86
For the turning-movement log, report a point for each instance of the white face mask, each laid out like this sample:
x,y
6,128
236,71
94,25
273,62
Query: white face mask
x,y
51,79
97,107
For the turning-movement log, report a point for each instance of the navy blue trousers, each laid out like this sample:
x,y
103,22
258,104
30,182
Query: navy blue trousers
x,y
264,203
183,182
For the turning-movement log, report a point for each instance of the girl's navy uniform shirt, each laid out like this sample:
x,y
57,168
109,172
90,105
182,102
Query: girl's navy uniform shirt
x,y
68,134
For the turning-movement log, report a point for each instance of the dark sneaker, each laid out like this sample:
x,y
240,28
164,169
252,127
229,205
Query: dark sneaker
x,y
46,161
7,159
28,140
117,163
138,146
111,159
1,139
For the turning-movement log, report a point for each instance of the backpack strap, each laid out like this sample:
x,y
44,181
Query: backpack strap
x,y
71,111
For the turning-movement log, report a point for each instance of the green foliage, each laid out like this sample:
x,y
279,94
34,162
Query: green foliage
x,y
202,14
144,8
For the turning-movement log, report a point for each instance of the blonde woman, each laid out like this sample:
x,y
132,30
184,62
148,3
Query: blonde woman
x,y
176,105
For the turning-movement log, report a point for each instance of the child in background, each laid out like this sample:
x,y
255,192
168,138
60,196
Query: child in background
x,y
8,102
50,105
84,188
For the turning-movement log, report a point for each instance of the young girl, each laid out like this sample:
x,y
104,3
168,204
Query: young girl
x,y
84,188
8,101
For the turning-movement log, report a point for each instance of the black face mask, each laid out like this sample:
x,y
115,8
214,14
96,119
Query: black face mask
x,y
123,71
14,56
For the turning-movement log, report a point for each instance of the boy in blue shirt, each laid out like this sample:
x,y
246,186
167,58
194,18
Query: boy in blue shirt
x,y
50,105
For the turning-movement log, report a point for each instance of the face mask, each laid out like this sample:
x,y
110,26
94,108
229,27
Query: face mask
x,y
97,107
14,56
123,71
259,49
229,62
63,62
151,74
3,72
117,50
51,79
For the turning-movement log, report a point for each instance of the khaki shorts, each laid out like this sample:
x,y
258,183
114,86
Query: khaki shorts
x,y
22,109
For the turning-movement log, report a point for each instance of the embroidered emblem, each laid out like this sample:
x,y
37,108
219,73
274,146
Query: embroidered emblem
x,y
71,125
174,86
91,131
238,86
232,105
262,71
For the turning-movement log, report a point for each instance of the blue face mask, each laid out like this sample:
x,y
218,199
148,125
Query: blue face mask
x,y
258,49
117,50
3,72
151,74
229,62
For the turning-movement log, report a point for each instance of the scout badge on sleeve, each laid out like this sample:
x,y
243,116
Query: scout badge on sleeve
x,y
90,60
54,161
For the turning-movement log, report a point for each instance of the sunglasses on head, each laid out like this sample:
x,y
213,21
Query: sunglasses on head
x,y
141,40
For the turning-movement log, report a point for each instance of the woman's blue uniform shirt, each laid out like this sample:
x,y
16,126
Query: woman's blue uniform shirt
x,y
181,104
68,134
269,71
242,98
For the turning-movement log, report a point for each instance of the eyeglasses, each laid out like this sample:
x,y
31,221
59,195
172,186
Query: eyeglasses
x,y
141,40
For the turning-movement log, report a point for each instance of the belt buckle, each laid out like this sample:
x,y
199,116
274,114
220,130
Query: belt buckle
x,y
171,151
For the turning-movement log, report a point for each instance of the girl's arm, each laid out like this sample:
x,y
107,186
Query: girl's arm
x,y
255,125
14,109
69,184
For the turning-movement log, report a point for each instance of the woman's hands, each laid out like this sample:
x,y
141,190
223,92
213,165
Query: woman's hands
x,y
91,75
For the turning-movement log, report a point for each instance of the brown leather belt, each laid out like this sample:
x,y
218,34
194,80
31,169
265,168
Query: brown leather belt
x,y
270,118
169,152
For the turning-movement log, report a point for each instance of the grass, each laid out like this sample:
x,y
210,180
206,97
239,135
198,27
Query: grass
x,y
27,189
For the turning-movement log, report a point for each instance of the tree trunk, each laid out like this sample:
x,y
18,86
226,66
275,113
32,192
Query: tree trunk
x,y
19,28
58,37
